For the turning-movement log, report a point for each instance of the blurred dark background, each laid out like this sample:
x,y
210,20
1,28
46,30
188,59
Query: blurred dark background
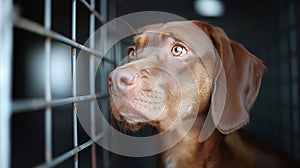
x,y
267,28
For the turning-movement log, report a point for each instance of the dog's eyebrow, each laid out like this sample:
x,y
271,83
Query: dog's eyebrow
x,y
169,34
141,40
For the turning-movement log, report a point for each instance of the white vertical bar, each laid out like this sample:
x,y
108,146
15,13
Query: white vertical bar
x,y
74,90
6,33
103,10
92,83
48,95
103,34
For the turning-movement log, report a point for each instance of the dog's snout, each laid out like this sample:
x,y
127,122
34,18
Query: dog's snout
x,y
123,79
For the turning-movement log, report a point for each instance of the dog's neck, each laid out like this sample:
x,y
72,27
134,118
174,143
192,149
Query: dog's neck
x,y
190,152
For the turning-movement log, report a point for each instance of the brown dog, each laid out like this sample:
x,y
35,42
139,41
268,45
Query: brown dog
x,y
183,71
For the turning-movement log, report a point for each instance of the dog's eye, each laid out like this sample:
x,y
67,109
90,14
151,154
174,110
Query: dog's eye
x,y
178,50
131,52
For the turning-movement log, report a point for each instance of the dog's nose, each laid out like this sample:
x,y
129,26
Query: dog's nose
x,y
122,79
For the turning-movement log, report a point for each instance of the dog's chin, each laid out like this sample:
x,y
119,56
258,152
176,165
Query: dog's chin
x,y
128,121
132,126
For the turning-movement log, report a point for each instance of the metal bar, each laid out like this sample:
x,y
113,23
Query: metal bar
x,y
118,54
6,37
100,17
34,27
37,104
106,113
74,89
56,161
103,9
92,81
48,95
103,89
31,26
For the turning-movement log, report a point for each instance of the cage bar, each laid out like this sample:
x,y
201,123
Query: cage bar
x,y
47,103
74,89
48,95
39,29
59,159
6,33
37,104
34,27
92,81
103,9
100,17
103,37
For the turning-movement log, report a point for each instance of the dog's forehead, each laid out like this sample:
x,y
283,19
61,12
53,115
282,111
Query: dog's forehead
x,y
161,27
185,31
167,29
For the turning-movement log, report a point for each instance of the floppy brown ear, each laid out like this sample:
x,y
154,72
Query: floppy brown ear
x,y
243,72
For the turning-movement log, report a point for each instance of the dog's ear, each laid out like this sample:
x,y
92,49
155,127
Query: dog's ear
x,y
243,73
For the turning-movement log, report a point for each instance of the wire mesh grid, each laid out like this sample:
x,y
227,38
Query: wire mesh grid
x,y
9,107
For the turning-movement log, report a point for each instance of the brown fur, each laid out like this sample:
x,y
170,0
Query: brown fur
x,y
243,77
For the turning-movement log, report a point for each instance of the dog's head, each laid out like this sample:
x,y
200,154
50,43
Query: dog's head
x,y
172,74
